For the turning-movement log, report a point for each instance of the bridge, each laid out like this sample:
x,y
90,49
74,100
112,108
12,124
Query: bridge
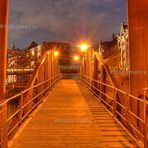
x,y
73,118
90,109
56,111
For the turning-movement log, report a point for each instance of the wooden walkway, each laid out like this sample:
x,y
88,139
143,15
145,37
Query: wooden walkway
x,y
72,118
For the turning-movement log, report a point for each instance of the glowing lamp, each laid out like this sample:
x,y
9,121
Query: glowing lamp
x,y
76,58
56,53
84,47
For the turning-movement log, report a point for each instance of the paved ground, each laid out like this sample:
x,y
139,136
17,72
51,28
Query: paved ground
x,y
72,118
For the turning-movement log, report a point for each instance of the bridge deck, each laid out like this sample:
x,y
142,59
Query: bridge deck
x,y
71,118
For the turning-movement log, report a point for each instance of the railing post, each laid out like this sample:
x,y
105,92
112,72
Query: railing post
x,y
127,109
3,127
145,121
21,108
103,80
46,72
95,74
115,104
52,66
41,78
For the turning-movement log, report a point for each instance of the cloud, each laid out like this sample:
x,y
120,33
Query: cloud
x,y
65,20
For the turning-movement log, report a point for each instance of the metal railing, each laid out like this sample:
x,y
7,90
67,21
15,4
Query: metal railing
x,y
73,76
146,116
35,96
117,102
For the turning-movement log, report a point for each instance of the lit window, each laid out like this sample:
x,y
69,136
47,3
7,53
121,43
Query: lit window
x,y
38,52
32,52
32,63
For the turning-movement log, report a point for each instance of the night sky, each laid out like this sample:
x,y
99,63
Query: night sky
x,y
64,20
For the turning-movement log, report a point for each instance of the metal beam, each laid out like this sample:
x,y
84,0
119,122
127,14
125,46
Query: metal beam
x,y
3,45
138,53
3,55
138,45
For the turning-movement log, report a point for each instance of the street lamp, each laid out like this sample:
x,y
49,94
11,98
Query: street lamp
x,y
85,58
56,53
76,58
84,47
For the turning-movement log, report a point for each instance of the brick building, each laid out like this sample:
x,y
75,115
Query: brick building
x,y
64,51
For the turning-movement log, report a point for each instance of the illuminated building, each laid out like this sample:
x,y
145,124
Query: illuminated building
x,y
107,48
64,51
122,39
115,52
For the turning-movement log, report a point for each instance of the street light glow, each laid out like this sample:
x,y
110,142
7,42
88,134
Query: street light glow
x,y
76,58
56,53
84,47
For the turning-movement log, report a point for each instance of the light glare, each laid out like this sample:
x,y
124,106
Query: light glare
x,y
84,47
56,53
76,58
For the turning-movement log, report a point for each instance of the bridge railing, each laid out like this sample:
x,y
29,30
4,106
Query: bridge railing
x,y
121,111
31,104
146,116
42,81
20,114
73,76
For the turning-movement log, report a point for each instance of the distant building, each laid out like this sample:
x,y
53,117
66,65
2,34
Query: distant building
x,y
32,45
107,48
33,54
64,51
117,48
122,40
14,59
19,59
29,58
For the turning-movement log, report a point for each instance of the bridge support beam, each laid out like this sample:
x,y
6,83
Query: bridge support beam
x,y
138,45
103,80
138,50
95,75
3,55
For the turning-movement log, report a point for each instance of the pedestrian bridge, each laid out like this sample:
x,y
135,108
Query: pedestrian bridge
x,y
83,112
71,116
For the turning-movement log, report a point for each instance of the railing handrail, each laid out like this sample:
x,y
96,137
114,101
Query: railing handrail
x,y
145,89
43,80
20,114
88,81
114,88
99,58
24,91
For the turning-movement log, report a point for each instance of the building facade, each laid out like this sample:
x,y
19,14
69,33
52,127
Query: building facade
x,y
122,40
64,51
118,47
23,61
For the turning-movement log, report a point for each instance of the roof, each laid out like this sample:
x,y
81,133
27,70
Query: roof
x,y
32,45
125,26
110,48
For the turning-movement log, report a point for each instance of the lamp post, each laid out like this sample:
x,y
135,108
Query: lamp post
x,y
87,68
56,62
84,48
